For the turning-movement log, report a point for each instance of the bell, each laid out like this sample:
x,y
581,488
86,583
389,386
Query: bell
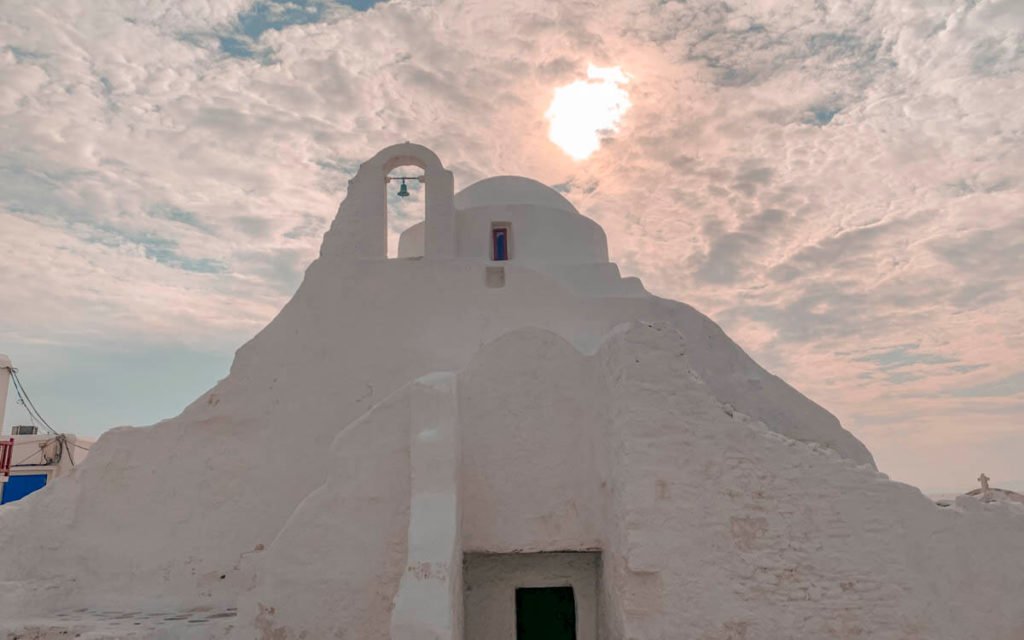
x,y
403,191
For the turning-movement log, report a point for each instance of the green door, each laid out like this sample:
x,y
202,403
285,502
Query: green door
x,y
545,613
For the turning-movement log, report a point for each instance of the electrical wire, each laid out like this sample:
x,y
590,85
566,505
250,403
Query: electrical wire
x,y
26,401
61,439
21,401
42,446
30,405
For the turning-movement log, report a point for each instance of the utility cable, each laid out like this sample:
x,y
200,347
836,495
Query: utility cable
x,y
62,440
27,401
33,454
21,400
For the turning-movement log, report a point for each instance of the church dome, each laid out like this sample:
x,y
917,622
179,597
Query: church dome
x,y
539,226
511,190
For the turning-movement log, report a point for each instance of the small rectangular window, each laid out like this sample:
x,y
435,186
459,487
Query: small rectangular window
x,y
500,242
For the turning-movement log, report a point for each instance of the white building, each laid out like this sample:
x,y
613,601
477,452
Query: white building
x,y
496,431
30,460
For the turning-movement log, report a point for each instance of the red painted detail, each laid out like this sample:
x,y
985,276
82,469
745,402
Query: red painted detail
x,y
6,451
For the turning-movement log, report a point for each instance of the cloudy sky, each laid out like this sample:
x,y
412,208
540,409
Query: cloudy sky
x,y
839,184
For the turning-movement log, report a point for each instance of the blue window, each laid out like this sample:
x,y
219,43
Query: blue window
x,y
499,243
17,487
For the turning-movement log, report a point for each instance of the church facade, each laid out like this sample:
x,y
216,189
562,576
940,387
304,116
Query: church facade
x,y
496,436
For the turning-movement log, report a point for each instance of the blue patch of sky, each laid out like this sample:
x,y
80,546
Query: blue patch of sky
x,y
88,389
170,212
904,355
967,368
341,166
166,252
24,55
822,114
236,47
34,191
903,377
108,94
274,15
1011,385
162,250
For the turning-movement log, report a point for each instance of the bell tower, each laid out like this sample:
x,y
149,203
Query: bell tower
x,y
360,228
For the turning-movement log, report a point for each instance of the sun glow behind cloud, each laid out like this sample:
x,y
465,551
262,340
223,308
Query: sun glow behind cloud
x,y
585,111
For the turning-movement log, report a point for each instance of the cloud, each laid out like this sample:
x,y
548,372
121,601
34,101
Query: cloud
x,y
828,180
734,255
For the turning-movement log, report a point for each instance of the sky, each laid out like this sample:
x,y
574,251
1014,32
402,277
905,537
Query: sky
x,y
838,184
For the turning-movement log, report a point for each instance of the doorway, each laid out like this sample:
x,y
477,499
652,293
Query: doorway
x,y
531,596
545,613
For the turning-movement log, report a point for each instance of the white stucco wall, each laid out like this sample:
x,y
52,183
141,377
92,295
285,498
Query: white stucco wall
x,y
354,333
410,242
491,581
428,605
535,427
730,530
708,524
345,546
592,416
538,236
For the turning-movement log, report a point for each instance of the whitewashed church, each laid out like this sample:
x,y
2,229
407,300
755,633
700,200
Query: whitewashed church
x,y
495,436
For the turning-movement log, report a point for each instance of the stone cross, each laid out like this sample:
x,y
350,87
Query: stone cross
x,y
983,479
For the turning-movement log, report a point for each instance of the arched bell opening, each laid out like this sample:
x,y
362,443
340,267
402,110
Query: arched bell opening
x,y
406,200
362,227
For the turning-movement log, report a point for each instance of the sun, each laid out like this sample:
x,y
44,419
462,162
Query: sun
x,y
585,111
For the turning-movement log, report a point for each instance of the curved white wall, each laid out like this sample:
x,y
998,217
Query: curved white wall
x,y
534,428
511,190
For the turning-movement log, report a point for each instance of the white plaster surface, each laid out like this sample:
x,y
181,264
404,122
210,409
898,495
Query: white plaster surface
x,y
511,190
590,415
201,623
546,230
428,603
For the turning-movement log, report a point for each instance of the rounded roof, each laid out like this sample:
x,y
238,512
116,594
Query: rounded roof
x,y
511,190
